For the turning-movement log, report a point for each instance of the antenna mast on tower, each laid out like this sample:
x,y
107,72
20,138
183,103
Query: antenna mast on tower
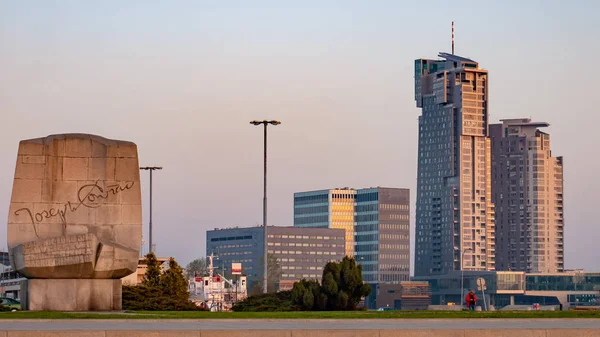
x,y
452,37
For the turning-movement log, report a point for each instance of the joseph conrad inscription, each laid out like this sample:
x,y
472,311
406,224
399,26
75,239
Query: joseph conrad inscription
x,y
89,196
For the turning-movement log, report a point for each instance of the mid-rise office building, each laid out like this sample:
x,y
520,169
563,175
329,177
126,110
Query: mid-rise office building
x,y
240,245
376,221
527,191
455,215
301,253
383,234
382,237
327,209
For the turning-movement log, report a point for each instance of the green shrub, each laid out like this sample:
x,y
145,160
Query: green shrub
x,y
342,289
142,297
280,301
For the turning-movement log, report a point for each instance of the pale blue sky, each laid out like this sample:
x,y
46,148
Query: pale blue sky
x,y
183,78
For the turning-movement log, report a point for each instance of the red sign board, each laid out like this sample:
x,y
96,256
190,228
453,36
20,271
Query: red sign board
x,y
236,268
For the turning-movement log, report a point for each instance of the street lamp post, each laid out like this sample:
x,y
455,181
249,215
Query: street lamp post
x,y
462,275
150,168
265,265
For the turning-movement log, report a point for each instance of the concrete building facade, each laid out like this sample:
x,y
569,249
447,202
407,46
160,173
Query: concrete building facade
x,y
528,193
303,252
455,215
406,295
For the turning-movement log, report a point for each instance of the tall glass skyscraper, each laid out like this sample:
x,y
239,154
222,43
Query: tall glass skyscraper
x,y
455,215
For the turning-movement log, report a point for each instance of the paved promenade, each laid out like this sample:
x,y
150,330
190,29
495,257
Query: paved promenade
x,y
298,324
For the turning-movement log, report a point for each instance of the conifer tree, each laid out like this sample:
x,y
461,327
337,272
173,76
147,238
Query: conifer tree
x,y
152,276
173,281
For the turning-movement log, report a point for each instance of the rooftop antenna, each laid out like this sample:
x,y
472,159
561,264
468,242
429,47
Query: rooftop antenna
x,y
452,37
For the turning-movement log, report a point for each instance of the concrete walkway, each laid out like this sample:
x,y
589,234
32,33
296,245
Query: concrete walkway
x,y
298,324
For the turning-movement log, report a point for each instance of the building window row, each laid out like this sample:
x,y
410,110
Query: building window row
x,y
399,217
234,246
394,267
304,237
305,260
394,256
300,276
394,236
232,238
284,267
394,206
308,199
295,244
393,226
311,210
394,246
293,252
236,253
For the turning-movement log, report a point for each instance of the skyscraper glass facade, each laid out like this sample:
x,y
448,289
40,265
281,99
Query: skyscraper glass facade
x,y
383,234
311,209
367,234
327,209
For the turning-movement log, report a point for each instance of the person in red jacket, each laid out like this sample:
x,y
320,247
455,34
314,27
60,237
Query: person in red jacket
x,y
471,299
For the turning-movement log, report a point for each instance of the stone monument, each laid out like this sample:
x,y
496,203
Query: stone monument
x,y
75,221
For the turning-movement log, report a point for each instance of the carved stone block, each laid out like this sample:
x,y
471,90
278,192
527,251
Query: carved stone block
x,y
75,210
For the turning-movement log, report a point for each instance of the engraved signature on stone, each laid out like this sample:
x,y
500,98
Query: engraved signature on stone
x,y
89,196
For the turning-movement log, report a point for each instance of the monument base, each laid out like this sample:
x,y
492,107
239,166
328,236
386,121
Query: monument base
x,y
71,294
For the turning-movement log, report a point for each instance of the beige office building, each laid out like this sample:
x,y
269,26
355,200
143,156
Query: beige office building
x,y
528,194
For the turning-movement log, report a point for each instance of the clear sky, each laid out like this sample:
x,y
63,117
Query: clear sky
x,y
182,79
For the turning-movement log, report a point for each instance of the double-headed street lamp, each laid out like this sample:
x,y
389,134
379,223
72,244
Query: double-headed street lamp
x,y
265,265
462,274
150,168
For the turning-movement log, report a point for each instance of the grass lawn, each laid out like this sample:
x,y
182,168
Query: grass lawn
x,y
300,315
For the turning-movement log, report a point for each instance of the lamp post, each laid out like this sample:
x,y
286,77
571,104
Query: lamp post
x,y
150,168
462,275
265,265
